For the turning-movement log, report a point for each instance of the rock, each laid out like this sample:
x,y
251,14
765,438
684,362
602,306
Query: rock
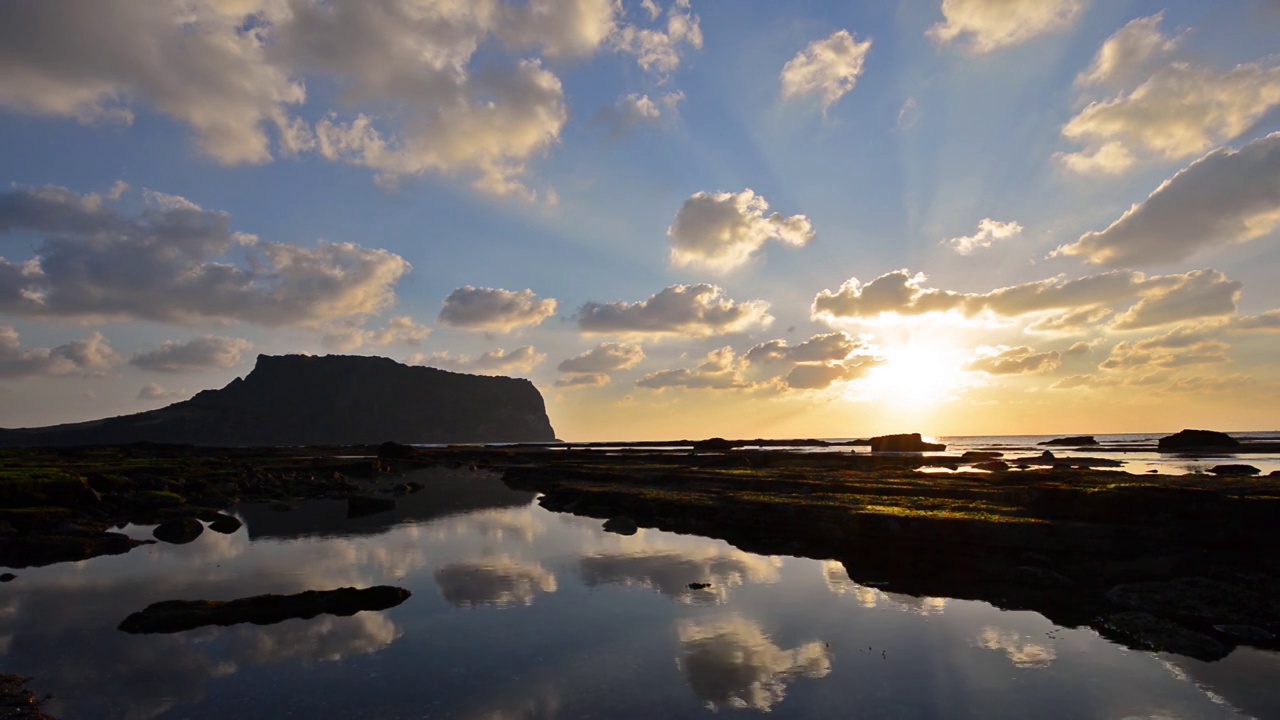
x,y
178,531
621,525
992,466
1153,471
1196,600
1149,632
1073,441
225,524
8,577
1248,633
905,442
178,615
395,451
980,455
699,585
1046,455
1234,470
362,505
17,702
1197,440
37,550
715,444
1039,577
282,507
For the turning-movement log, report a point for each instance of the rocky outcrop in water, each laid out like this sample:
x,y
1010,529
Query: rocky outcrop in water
x,y
911,442
329,400
179,615
1197,440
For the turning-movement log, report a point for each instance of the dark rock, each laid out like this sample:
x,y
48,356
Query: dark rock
x,y
1197,440
38,550
1039,577
1248,633
1046,455
1196,600
905,442
621,525
282,507
178,531
329,400
1073,441
362,505
8,577
1149,632
716,444
395,451
17,702
225,524
699,585
179,615
992,465
980,455
1234,470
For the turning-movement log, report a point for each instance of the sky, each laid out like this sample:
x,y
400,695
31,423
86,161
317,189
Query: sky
x,y
679,219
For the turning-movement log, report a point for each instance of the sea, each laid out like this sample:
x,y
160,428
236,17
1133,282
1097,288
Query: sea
x,y
518,613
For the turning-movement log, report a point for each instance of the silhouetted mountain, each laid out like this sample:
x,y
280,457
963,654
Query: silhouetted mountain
x,y
330,400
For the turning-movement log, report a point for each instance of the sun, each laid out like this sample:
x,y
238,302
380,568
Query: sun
x,y
913,376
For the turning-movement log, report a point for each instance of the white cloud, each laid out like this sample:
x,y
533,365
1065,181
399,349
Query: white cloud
x,y
521,360
695,310
1126,57
559,27
635,110
1110,158
720,370
495,310
733,664
584,380
1004,360
989,232
1020,651
1224,198
155,391
828,347
816,376
720,231
176,262
204,353
657,50
829,67
1197,294
603,358
986,25
1128,355
402,330
1265,322
90,357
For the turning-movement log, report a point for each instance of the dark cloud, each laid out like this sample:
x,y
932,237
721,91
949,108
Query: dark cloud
x,y
695,310
204,353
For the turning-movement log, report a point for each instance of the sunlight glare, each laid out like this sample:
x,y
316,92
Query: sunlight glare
x,y
913,376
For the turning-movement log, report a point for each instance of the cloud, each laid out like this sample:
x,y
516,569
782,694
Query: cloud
x,y
696,310
1021,360
500,582
521,360
1161,298
603,358
670,572
829,68
1128,355
401,329
986,25
657,50
1021,653
560,29
720,370
204,353
1179,110
1071,322
176,262
989,232
635,109
495,310
1208,384
155,391
827,347
1224,198
1266,322
732,663
720,231
1126,57
816,376
91,357
1197,294
584,380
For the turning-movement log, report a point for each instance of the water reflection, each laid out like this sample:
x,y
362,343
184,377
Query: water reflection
x,y
671,572
501,582
732,663
838,582
1021,652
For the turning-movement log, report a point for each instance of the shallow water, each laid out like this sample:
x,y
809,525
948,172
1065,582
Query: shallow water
x,y
521,613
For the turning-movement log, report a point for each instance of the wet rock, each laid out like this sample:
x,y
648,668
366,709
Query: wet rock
x,y
178,531
1073,441
1234,470
362,505
225,524
1247,633
621,524
1196,600
395,451
980,455
1039,577
8,577
178,615
39,550
1149,632
904,442
1046,455
1197,440
992,465
282,507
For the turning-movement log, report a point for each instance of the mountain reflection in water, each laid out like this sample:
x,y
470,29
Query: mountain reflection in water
x,y
521,613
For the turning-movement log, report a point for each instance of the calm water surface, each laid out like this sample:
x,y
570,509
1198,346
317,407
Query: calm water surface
x,y
524,614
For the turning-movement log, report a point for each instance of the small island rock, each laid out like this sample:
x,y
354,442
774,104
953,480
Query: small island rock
x,y
1197,440
904,442
1234,470
1073,441
622,525
179,531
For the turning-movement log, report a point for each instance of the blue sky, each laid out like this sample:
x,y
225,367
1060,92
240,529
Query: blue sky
x,y
193,184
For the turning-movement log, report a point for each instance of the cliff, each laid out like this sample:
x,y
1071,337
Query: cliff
x,y
330,400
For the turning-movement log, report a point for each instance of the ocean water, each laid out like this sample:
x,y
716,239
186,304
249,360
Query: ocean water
x,y
518,613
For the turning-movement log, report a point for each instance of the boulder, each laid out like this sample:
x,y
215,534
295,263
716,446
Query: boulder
x,y
904,442
225,524
621,524
715,444
1073,441
992,466
178,615
1195,600
1197,440
178,531
980,455
362,505
1234,470
8,577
